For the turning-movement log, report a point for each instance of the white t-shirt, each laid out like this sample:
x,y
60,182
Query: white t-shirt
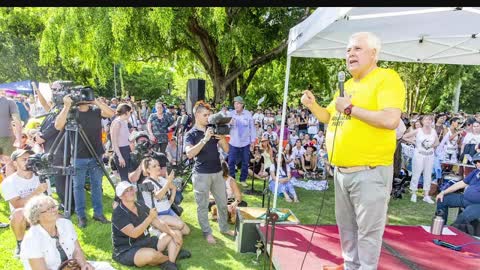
x,y
160,205
471,138
293,138
273,137
319,139
312,125
268,121
258,117
37,243
16,186
298,153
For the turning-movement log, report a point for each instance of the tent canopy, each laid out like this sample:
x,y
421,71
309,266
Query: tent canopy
x,y
408,34
21,87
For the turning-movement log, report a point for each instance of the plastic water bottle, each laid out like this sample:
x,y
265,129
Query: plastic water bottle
x,y
437,223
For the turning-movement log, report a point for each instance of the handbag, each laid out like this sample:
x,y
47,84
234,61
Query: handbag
x,y
70,264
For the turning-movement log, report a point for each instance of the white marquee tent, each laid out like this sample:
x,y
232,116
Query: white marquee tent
x,y
408,34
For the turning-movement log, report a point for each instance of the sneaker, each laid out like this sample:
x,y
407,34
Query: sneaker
x,y
168,265
184,254
427,199
244,184
4,225
101,219
413,198
82,222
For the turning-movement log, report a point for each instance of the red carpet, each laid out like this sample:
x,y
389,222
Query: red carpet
x,y
411,242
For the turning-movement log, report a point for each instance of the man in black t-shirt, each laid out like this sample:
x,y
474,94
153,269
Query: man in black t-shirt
x,y
202,145
89,118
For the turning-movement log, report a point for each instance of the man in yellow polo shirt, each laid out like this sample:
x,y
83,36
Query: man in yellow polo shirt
x,y
360,143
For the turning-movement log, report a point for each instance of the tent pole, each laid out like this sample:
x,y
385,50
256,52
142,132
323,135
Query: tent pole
x,y
282,127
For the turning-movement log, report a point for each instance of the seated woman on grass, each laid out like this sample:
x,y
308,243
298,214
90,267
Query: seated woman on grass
x,y
234,196
309,159
256,166
52,241
163,194
285,186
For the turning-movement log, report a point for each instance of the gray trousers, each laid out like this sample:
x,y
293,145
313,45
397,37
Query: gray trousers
x,y
203,183
361,204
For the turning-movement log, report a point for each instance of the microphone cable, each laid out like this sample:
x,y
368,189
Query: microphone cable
x,y
324,192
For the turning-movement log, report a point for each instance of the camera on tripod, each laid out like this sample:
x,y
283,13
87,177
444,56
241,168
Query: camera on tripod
x,y
219,123
77,93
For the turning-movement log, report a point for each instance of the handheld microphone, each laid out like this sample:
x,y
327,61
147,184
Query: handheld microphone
x,y
341,81
184,120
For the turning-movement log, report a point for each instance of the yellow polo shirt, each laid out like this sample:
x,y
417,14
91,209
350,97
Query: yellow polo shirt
x,y
357,143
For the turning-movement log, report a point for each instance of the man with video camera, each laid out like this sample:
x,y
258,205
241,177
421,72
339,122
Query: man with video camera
x,y
202,145
89,118
17,189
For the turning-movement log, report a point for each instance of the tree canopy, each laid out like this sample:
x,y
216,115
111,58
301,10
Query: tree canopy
x,y
152,52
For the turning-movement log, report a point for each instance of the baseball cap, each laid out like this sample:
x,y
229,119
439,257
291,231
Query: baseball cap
x,y
137,134
239,99
19,152
122,186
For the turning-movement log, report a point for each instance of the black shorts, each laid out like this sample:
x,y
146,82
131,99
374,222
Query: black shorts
x,y
127,257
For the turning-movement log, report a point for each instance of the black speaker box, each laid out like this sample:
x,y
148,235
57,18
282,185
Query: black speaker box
x,y
195,92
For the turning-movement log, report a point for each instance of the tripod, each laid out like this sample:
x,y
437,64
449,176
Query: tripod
x,y
270,218
252,190
69,136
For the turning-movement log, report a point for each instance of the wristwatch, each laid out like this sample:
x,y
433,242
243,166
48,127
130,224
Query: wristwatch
x,y
348,109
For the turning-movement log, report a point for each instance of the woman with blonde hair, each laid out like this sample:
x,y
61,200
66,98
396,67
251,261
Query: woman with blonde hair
x,y
52,241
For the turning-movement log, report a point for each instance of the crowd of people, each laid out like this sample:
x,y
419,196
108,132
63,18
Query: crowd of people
x,y
140,141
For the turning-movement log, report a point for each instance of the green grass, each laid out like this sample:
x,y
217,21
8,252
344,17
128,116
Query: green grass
x,y
96,242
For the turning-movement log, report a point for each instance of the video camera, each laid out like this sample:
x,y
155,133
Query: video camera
x,y
143,150
41,165
219,123
77,93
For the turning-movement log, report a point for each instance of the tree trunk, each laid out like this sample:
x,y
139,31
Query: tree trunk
x,y
456,97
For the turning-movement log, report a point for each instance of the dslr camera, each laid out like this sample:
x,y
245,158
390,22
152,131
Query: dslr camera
x,y
219,123
146,187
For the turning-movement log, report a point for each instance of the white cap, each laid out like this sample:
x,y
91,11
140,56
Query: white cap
x,y
122,186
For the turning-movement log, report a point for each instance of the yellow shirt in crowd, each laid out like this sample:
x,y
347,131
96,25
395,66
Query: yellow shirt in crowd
x,y
356,142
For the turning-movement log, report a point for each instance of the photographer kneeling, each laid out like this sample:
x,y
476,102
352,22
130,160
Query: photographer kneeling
x,y
132,243
17,189
158,192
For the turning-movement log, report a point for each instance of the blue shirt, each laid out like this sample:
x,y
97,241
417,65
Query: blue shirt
x,y
208,159
242,131
22,111
472,192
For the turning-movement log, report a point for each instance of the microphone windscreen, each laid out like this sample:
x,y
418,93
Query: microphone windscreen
x,y
341,76
184,120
